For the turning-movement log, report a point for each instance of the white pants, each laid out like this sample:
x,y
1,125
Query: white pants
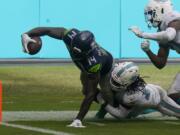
x,y
152,96
175,87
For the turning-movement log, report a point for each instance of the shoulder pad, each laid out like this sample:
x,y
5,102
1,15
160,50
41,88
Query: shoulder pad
x,y
169,17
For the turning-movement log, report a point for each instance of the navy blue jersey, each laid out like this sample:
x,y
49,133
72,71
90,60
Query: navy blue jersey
x,y
98,60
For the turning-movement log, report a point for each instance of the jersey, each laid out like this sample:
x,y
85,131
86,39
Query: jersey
x,y
168,18
152,96
149,96
98,60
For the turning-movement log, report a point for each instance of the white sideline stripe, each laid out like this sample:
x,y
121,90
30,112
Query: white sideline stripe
x,y
97,124
9,116
171,122
35,129
42,115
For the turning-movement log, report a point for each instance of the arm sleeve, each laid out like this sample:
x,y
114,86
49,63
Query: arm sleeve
x,y
54,32
119,112
164,36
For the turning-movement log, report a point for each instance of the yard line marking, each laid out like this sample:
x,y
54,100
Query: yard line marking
x,y
172,122
35,129
0,101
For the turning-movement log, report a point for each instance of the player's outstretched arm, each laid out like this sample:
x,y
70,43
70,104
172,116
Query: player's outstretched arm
x,y
163,36
90,91
160,59
54,32
57,33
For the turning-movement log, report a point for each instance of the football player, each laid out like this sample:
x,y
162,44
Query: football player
x,y
93,61
134,95
160,14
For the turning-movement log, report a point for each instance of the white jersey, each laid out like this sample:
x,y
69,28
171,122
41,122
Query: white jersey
x,y
151,96
148,97
168,18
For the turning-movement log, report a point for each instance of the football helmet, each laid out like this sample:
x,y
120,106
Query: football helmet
x,y
155,10
123,75
82,42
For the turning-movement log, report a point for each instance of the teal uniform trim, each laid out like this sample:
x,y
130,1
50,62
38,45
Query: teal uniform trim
x,y
125,68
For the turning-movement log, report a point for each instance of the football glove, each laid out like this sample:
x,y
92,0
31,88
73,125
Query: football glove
x,y
145,45
136,30
25,41
76,124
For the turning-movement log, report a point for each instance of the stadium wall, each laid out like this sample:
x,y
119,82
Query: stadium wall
x,y
107,19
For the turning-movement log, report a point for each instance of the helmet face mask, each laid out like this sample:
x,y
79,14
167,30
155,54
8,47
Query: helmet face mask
x,y
123,75
117,86
151,18
155,11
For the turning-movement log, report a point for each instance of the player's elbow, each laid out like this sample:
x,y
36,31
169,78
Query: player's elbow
x,y
160,65
170,34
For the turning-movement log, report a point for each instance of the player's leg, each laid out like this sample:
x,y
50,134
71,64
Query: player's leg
x,y
168,106
102,112
83,78
174,91
106,89
107,95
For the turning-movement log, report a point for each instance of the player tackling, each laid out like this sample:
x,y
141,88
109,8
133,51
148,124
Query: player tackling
x,y
133,95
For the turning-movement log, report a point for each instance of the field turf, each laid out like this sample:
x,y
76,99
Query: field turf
x,y
57,88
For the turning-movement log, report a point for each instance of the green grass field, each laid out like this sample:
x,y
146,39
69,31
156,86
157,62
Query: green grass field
x,y
57,88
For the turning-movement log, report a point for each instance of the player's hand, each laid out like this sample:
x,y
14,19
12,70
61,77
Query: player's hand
x,y
76,124
136,30
145,45
100,99
25,41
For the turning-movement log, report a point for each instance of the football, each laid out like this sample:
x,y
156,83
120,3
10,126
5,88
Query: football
x,y
34,48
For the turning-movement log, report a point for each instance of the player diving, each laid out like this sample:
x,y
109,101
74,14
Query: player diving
x,y
160,14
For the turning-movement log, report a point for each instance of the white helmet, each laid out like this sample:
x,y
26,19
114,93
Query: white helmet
x,y
123,75
155,10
